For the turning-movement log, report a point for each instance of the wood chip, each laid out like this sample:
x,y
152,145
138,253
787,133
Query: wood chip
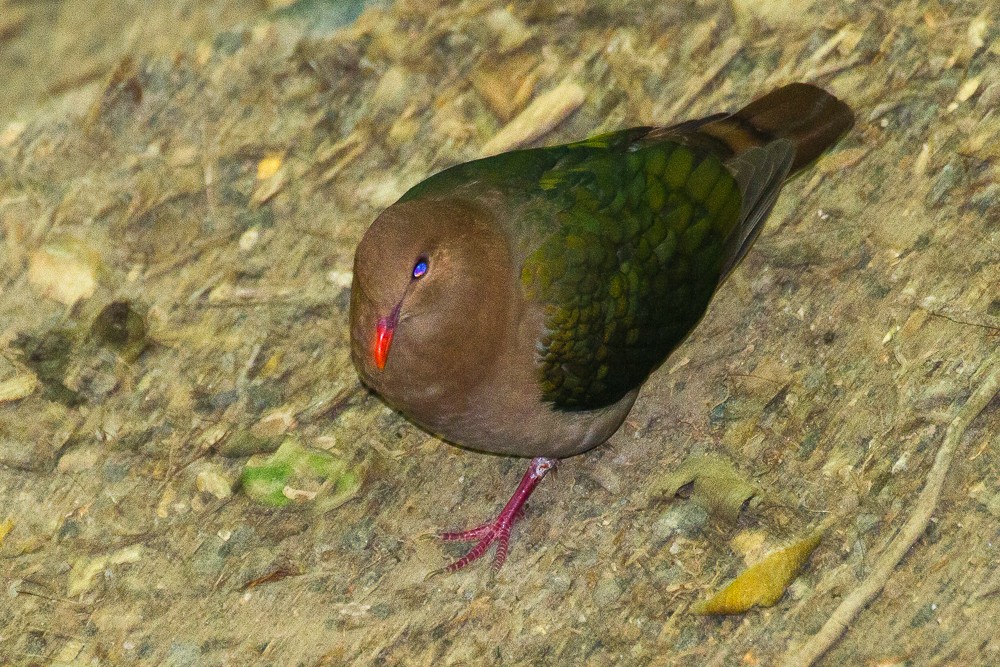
x,y
968,89
543,114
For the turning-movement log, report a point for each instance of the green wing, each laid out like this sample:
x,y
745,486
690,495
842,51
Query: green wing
x,y
639,247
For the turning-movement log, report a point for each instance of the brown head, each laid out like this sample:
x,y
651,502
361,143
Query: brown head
x,y
430,306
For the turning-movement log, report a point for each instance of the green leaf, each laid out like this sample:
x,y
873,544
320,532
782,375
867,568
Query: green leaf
x,y
295,473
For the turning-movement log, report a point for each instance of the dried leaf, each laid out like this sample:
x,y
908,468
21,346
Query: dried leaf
x,y
763,583
716,485
505,84
6,526
510,31
65,270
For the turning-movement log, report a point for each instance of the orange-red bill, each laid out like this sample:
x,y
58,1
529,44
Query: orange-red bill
x,y
383,338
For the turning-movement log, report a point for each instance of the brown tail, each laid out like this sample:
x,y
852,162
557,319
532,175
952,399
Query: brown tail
x,y
810,117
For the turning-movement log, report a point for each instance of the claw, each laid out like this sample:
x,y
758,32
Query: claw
x,y
499,529
470,535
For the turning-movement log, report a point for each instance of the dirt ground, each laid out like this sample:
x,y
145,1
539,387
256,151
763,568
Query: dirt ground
x,y
211,188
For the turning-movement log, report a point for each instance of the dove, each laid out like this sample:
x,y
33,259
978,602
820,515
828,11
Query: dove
x,y
517,303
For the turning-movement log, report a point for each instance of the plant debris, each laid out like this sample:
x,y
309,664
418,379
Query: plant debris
x,y
763,583
543,114
713,483
81,576
65,270
295,473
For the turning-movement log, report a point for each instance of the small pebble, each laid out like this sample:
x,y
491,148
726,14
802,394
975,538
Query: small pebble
x,y
607,592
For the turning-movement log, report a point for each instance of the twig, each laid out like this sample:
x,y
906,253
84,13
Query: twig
x,y
914,527
965,322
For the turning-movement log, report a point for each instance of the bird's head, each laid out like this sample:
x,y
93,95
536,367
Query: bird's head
x,y
430,300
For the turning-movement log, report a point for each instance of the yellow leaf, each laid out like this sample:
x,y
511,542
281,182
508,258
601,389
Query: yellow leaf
x,y
6,526
763,583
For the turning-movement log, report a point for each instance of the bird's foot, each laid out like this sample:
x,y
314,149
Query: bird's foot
x,y
498,530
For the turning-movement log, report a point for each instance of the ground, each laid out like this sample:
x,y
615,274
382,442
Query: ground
x,y
212,187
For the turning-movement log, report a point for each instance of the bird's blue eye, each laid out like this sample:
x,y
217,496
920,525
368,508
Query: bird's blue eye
x,y
420,268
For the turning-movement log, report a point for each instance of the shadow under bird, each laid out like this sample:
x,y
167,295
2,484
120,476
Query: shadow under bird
x,y
517,303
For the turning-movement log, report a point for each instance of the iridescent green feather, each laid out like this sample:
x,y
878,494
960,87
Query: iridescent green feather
x,y
630,270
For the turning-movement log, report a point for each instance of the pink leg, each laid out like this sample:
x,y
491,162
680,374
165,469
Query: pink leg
x,y
498,530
